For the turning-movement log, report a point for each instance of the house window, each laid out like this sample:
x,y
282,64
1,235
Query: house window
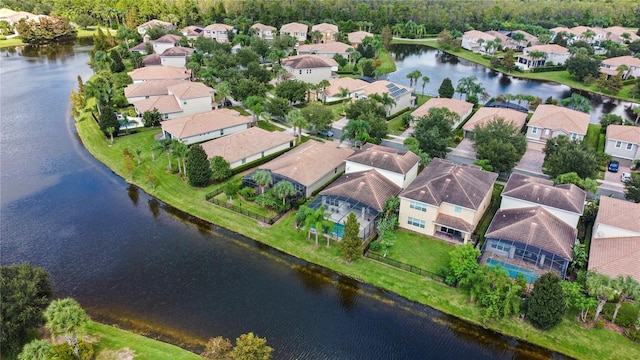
x,y
416,222
500,246
166,116
534,130
222,132
618,144
244,160
629,146
418,206
262,154
300,72
574,136
184,102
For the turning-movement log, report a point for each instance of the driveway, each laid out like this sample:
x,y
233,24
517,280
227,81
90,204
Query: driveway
x,y
531,162
464,150
612,181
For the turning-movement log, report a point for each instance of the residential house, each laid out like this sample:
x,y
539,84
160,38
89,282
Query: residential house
x,y
476,41
611,66
249,145
565,201
176,56
529,241
192,32
181,100
265,32
143,47
310,68
446,200
328,50
166,26
151,60
295,30
550,54
354,86
615,240
401,168
309,166
623,143
159,73
549,121
148,89
356,37
165,42
218,32
362,193
560,30
205,126
329,32
486,114
529,40
621,35
460,107
592,35
400,94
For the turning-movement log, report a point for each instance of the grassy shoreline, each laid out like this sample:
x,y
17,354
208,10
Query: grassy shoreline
x,y
82,33
568,338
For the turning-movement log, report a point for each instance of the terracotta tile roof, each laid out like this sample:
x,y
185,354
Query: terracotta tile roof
x,y
154,22
204,122
368,187
331,47
617,31
142,46
559,29
528,37
486,114
385,158
294,27
475,34
309,162
159,73
443,181
325,27
622,60
192,30
619,213
177,51
218,27
566,197
459,107
308,62
166,104
241,145
346,82
560,118
356,37
453,223
500,35
612,72
151,88
151,60
534,226
169,39
263,27
548,49
190,90
629,134
616,256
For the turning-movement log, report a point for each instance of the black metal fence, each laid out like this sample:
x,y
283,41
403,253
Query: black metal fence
x,y
402,266
211,197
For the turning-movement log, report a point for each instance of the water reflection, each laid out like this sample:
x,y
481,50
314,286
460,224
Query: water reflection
x,y
347,292
154,206
132,191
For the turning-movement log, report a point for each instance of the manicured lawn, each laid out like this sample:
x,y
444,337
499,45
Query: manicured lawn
x,y
114,339
387,65
593,136
422,251
485,221
395,126
269,126
82,33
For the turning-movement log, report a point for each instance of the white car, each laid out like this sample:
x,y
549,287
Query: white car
x,y
625,177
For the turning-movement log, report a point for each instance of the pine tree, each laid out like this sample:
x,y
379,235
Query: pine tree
x,y
198,167
547,303
350,242
446,89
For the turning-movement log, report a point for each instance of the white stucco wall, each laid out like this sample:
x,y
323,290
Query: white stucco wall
x,y
178,61
260,155
607,231
195,105
566,216
214,134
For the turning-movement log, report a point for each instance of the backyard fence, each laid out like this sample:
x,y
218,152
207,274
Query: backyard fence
x,y
211,197
402,266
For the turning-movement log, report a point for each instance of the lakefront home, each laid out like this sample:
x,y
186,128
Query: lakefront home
x,y
542,55
460,107
182,99
205,126
310,68
484,115
549,121
355,38
623,143
614,66
328,50
401,168
166,26
149,73
476,41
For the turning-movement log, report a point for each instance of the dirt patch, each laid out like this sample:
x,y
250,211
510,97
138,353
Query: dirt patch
x,y
122,354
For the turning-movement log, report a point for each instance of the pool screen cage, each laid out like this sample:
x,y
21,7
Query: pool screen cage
x,y
525,256
338,207
301,190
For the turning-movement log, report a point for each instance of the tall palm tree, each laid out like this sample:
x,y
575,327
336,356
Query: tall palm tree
x,y
315,36
576,102
295,118
181,150
425,80
111,130
223,89
601,287
356,130
262,178
65,317
165,145
322,85
467,85
317,220
627,288
283,189
344,94
413,77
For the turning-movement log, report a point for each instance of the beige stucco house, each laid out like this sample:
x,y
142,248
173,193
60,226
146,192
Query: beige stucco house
x,y
166,26
165,42
295,30
192,32
446,200
310,68
551,54
329,32
205,126
263,31
149,73
401,168
356,37
623,143
218,32
486,114
549,121
476,41
611,66
176,56
460,107
182,99
328,50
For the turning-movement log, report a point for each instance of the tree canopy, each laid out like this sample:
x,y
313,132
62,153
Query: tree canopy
x,y
198,167
434,133
499,142
547,303
564,156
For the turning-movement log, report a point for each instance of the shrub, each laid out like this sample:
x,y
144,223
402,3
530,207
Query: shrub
x,y
599,325
633,335
547,303
375,246
248,193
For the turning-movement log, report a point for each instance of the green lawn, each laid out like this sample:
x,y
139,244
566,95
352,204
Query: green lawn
x,y
82,33
487,217
387,65
395,126
422,251
593,136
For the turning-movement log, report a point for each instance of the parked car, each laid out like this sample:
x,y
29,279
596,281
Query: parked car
x,y
613,166
225,103
326,132
625,177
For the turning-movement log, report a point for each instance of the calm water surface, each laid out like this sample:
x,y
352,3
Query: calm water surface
x,y
136,262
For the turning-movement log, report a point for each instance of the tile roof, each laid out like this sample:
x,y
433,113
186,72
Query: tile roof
x,y
165,104
177,51
368,187
308,62
294,27
325,27
331,47
475,34
486,114
443,181
168,39
385,158
150,88
151,60
548,49
619,213
566,197
154,22
384,86
309,162
357,36
622,60
534,226
160,73
142,46
263,27
629,134
459,107
616,256
192,30
218,27
453,222
204,122
560,118
241,145
346,82
190,90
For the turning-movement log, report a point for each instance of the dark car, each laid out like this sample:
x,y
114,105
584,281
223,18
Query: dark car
x,y
327,133
613,166
225,103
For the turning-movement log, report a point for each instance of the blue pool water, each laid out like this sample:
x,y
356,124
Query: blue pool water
x,y
513,270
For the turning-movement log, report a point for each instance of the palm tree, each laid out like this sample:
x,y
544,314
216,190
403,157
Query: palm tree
x,y
110,131
356,130
317,220
344,94
295,118
65,317
262,178
601,287
36,350
283,189
627,288
323,85
577,102
413,77
315,36
138,151
636,112
425,80
537,55
165,145
181,150
469,86
223,89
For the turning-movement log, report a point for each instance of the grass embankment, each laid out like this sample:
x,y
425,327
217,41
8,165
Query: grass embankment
x,y
113,340
82,33
387,65
561,77
568,338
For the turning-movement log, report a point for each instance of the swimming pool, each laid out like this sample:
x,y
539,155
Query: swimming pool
x,y
513,270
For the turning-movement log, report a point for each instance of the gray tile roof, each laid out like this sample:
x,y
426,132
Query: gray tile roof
x,y
567,197
443,181
368,187
385,158
534,226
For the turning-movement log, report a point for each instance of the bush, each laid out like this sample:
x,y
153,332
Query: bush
x,y
547,303
375,246
633,335
599,325
248,193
